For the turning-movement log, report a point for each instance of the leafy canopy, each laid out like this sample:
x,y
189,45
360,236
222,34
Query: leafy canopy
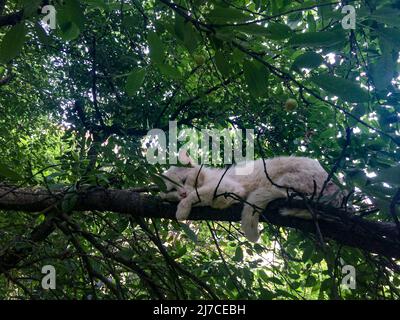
x,y
76,102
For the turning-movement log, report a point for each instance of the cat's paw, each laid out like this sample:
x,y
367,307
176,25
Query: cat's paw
x,y
183,210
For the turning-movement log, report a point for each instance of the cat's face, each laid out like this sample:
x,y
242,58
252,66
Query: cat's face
x,y
180,181
175,179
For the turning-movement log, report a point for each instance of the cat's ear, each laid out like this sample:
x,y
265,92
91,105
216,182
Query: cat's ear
x,y
185,158
331,188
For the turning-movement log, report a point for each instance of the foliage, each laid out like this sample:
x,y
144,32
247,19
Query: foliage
x,y
82,97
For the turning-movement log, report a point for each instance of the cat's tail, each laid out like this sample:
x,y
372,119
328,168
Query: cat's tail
x,y
249,225
297,213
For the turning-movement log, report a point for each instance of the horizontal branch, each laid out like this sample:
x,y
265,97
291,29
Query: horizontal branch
x,y
371,236
11,19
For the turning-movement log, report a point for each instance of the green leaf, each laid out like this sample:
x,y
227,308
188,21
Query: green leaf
x,y
179,27
130,23
275,280
343,88
382,71
311,281
69,31
12,43
307,253
358,111
390,175
312,26
294,276
256,77
6,172
317,39
74,12
159,182
392,35
238,254
278,31
31,7
386,15
42,35
274,30
189,232
135,80
226,14
252,29
169,71
156,48
99,4
308,60
222,63
190,40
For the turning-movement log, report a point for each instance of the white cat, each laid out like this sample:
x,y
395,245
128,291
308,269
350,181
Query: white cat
x,y
197,186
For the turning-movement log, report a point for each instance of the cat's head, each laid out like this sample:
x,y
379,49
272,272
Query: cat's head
x,y
336,196
180,181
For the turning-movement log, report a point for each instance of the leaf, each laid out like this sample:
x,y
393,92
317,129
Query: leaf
x,y
256,77
74,12
69,31
238,254
311,23
222,63
275,280
130,23
386,15
311,281
99,4
42,35
294,276
225,14
12,43
252,29
31,7
358,111
317,39
159,182
156,48
169,71
179,27
135,80
278,31
6,172
392,35
308,60
382,71
390,175
307,253
189,232
274,30
190,40
343,88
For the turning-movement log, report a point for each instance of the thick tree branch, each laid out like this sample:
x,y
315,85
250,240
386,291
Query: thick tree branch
x,y
371,236
11,19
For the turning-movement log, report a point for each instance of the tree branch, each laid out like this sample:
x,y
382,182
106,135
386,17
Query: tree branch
x,y
372,236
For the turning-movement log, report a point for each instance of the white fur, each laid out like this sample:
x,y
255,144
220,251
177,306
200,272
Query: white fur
x,y
255,188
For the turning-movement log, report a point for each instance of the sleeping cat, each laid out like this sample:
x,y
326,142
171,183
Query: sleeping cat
x,y
197,186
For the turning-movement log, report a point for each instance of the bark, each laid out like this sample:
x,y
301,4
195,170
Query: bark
x,y
372,236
